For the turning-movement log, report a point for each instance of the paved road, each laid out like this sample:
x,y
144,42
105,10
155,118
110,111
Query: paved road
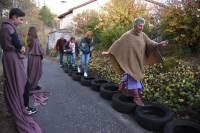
x,y
73,108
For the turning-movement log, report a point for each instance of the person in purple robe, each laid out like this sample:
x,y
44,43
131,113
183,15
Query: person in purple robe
x,y
14,73
35,56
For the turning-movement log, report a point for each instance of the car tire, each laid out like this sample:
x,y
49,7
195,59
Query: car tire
x,y
86,81
108,90
77,76
181,126
123,103
153,117
96,84
71,71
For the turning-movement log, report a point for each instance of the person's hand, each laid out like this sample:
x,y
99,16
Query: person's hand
x,y
164,43
22,50
105,53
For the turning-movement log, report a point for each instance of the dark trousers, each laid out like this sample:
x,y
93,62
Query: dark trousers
x,y
61,57
26,94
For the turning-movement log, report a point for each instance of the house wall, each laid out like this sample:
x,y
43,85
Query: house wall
x,y
68,20
54,36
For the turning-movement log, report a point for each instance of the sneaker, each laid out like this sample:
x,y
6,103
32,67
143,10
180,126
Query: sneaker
x,y
31,110
85,74
79,70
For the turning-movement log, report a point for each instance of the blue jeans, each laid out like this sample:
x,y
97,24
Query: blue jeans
x,y
85,61
69,58
73,58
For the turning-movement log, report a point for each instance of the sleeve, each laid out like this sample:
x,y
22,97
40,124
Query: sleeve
x,y
15,41
5,35
10,36
80,45
57,45
149,42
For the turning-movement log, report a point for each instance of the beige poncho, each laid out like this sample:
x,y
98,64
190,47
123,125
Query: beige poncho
x,y
132,51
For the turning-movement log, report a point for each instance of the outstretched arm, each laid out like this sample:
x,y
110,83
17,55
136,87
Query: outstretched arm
x,y
105,53
152,43
164,43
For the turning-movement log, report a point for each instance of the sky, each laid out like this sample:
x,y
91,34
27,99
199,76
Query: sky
x,y
57,7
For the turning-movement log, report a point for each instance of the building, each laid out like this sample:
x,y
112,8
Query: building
x,y
66,19
67,26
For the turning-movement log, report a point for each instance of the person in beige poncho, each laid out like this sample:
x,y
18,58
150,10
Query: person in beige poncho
x,y
130,53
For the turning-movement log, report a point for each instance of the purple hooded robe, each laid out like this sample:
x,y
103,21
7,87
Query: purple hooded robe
x,y
15,79
34,70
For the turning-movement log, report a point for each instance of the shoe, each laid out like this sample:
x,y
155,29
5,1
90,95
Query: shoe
x,y
85,74
31,110
38,88
79,70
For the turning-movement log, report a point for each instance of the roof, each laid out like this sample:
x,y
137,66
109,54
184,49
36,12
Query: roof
x,y
74,8
65,30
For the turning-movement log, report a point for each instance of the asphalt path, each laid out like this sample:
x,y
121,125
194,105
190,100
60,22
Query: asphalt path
x,y
73,108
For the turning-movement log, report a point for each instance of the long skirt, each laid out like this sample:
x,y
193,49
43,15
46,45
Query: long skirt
x,y
15,79
34,70
131,83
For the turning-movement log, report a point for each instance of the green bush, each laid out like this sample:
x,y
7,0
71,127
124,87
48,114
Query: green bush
x,y
175,87
53,53
102,66
172,83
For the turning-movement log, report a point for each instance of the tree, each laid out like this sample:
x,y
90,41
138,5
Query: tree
x,y
180,24
117,18
87,20
47,16
4,5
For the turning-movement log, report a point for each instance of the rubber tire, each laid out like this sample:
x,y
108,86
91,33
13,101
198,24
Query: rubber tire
x,y
71,71
65,68
123,103
181,126
152,123
108,90
86,81
97,83
77,76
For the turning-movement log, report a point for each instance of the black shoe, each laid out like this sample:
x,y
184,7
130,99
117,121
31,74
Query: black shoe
x,y
38,88
31,110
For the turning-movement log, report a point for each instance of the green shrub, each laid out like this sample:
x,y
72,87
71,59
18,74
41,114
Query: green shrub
x,y
172,83
102,66
176,87
53,53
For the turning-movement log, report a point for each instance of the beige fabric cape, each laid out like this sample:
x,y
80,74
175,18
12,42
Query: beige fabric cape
x,y
132,51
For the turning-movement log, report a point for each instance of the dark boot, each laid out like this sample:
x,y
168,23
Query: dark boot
x,y
121,87
136,97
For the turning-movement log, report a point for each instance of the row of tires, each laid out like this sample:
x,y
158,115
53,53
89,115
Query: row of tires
x,y
153,117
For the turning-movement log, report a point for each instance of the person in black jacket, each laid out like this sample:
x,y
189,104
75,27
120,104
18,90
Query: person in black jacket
x,y
60,48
